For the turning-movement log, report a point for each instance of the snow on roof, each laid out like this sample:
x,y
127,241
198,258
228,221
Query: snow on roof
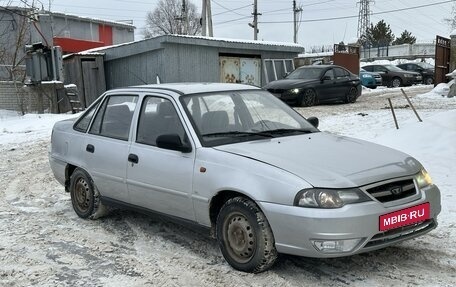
x,y
312,55
97,20
226,40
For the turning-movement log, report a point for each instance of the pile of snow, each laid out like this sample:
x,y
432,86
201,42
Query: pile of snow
x,y
441,90
17,129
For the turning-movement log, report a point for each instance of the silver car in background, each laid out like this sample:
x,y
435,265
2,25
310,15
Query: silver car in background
x,y
235,159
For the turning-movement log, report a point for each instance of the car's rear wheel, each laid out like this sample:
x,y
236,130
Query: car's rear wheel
x,y
351,95
396,82
308,98
84,196
245,237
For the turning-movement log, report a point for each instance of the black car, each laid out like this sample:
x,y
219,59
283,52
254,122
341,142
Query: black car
x,y
426,70
309,85
395,77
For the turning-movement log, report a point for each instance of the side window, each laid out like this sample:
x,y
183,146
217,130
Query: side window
x,y
114,117
158,117
330,74
340,73
84,121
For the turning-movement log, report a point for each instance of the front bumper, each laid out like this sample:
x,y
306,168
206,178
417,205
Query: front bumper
x,y
294,227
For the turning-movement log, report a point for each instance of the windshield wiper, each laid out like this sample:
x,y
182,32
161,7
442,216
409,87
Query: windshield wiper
x,y
239,133
285,131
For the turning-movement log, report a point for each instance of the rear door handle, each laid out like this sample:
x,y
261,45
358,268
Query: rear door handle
x,y
133,158
90,148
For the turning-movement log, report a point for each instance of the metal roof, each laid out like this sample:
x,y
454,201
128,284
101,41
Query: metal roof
x,y
146,45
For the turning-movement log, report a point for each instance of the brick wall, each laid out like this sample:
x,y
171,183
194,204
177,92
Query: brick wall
x,y
24,99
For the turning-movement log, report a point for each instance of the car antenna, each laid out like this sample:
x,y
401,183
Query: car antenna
x,y
136,76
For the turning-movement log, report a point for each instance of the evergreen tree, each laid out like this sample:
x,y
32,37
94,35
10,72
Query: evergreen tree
x,y
405,38
379,35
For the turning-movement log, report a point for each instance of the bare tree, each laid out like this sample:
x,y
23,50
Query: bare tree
x,y
173,17
451,21
14,34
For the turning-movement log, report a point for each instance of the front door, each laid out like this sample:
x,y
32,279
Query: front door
x,y
157,178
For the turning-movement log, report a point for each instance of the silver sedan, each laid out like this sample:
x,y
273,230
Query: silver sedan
x,y
235,159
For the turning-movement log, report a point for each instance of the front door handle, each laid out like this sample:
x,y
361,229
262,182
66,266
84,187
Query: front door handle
x,y
90,148
133,158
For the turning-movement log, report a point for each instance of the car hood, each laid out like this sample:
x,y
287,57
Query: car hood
x,y
327,160
289,83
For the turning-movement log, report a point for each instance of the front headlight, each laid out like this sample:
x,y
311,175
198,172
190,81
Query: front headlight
x,y
423,179
408,76
329,198
366,76
294,91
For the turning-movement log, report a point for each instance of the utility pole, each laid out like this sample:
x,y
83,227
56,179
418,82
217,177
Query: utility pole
x,y
209,18
185,17
296,11
364,17
203,18
255,20
206,18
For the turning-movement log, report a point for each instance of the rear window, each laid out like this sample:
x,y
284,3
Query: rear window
x,y
83,123
114,117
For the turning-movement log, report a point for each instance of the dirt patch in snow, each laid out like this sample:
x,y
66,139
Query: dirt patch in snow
x,y
44,243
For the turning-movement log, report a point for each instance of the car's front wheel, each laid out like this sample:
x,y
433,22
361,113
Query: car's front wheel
x,y
308,98
84,196
245,237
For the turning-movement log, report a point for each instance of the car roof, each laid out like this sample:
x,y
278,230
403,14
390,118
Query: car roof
x,y
319,66
191,88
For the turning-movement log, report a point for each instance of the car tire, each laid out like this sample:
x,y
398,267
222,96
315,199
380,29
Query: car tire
x,y
85,198
396,82
308,98
352,95
245,237
428,81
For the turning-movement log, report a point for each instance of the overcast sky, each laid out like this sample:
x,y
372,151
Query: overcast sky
x,y
231,17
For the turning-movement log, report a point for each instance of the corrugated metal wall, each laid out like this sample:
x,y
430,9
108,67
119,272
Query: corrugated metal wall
x,y
180,59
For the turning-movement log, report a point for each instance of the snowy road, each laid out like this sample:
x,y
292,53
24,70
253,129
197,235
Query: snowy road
x,y
44,243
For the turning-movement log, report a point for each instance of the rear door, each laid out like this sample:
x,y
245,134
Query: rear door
x,y
107,144
161,179
386,75
343,82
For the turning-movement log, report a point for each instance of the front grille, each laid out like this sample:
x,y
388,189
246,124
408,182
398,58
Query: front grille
x,y
401,233
393,190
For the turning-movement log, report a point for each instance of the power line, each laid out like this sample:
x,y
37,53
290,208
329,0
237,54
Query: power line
x,y
355,16
232,10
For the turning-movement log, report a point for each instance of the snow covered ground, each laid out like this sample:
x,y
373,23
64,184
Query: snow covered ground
x,y
44,243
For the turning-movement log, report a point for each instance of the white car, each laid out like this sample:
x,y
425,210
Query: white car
x,y
235,159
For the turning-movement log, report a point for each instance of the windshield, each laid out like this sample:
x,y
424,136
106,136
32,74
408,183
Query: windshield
x,y
425,65
229,117
305,73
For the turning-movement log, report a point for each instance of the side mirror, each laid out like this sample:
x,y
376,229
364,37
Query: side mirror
x,y
313,121
286,74
172,142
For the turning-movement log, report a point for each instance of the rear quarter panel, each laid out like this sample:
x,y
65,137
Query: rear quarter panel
x,y
67,147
